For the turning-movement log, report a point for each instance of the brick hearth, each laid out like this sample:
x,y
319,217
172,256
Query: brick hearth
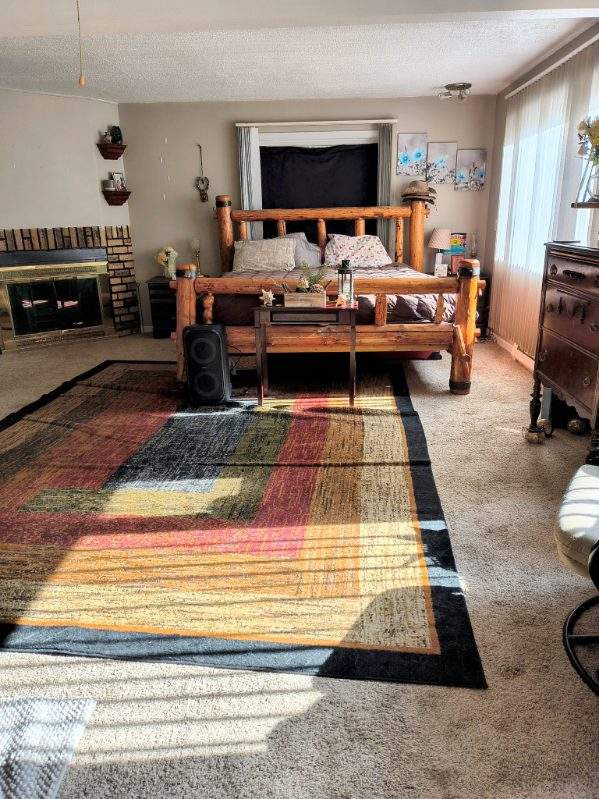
x,y
116,239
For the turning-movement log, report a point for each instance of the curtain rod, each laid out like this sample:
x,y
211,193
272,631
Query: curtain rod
x,y
553,66
326,122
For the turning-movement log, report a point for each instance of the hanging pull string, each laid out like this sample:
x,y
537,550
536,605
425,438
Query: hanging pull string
x,y
81,75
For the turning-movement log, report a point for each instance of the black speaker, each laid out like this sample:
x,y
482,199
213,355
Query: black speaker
x,y
208,376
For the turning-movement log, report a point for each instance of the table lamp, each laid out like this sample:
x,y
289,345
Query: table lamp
x,y
440,240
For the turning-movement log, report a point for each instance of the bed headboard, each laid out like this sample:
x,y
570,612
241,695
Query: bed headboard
x,y
416,212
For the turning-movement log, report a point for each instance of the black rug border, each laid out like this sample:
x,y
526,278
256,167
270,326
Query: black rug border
x,y
458,665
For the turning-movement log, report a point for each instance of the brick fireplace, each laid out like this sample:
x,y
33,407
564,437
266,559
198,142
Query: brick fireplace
x,y
113,241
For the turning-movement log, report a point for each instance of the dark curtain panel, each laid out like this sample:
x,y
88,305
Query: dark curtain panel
x,y
319,177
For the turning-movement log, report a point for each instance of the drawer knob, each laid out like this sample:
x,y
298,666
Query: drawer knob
x,y
587,382
553,270
542,355
594,328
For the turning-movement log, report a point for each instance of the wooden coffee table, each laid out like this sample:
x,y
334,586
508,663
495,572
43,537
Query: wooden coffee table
x,y
331,316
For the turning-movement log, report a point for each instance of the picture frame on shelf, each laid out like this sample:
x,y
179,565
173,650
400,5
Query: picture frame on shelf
x,y
119,181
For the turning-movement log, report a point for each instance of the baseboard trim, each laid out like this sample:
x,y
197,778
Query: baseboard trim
x,y
525,360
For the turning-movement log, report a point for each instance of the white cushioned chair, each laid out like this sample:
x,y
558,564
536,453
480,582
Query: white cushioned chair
x,y
577,539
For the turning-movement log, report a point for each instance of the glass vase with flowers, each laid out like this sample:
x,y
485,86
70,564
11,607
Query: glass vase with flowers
x,y
588,148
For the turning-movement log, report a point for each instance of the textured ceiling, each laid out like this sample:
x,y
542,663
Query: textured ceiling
x,y
301,62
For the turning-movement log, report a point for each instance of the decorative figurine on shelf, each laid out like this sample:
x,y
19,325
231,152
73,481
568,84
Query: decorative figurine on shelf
x,y
167,258
116,135
267,298
107,137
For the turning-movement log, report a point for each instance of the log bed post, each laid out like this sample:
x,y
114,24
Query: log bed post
x,y
464,329
398,240
225,231
417,220
186,315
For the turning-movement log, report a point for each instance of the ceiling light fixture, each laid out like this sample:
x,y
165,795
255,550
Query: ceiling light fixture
x,y
458,90
81,75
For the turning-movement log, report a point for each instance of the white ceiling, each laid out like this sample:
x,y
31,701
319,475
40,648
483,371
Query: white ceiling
x,y
149,50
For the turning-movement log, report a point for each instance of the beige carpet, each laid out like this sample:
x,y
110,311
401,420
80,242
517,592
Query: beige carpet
x,y
179,731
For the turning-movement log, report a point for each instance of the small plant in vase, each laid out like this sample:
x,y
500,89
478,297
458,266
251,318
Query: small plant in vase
x,y
588,147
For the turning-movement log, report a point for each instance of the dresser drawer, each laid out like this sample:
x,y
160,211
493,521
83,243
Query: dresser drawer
x,y
574,317
568,367
572,273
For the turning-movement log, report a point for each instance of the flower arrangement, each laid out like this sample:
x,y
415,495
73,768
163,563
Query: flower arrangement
x,y
309,291
588,139
311,280
167,258
588,147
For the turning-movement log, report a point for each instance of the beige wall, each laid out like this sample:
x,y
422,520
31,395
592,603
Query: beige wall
x,y
50,167
162,162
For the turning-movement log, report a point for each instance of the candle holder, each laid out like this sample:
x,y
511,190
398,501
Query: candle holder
x,y
345,281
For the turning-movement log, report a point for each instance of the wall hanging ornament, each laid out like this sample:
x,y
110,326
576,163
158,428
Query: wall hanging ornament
x,y
202,182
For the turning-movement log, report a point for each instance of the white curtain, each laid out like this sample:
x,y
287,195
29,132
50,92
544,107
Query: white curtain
x,y
250,174
384,181
540,174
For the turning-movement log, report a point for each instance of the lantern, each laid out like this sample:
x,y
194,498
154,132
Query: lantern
x,y
345,281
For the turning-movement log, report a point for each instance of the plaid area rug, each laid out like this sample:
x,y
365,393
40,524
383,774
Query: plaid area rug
x,y
300,536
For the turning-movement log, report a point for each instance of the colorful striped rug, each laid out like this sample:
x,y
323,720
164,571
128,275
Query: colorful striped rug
x,y
298,536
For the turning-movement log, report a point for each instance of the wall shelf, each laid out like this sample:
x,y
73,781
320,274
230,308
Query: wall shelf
x,y
589,204
111,152
116,197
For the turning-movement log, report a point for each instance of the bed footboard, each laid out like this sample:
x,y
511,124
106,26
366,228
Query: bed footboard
x,y
457,338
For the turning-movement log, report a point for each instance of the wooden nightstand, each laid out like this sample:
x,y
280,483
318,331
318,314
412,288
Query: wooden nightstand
x,y
163,306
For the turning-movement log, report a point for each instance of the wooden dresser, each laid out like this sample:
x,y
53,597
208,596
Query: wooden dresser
x,y
567,355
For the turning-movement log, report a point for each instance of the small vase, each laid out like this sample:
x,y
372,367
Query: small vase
x,y
593,184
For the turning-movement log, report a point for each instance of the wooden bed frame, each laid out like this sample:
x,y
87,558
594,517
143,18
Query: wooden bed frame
x,y
457,337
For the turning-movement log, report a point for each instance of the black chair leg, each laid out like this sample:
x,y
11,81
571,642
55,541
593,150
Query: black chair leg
x,y
573,640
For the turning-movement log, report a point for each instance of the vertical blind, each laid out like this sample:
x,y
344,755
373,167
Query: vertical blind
x,y
540,174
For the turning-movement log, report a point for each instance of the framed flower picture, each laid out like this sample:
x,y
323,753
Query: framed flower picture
x,y
411,153
471,170
440,162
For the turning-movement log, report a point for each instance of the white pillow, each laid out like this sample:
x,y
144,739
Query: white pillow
x,y
306,253
359,250
264,255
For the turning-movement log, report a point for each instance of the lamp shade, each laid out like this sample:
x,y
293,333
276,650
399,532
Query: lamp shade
x,y
440,239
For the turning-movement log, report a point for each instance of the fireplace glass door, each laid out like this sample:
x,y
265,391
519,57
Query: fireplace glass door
x,y
60,304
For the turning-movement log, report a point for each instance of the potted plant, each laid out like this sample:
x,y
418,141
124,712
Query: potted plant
x,y
310,291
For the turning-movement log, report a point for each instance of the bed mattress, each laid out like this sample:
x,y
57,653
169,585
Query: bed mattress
x,y
238,309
